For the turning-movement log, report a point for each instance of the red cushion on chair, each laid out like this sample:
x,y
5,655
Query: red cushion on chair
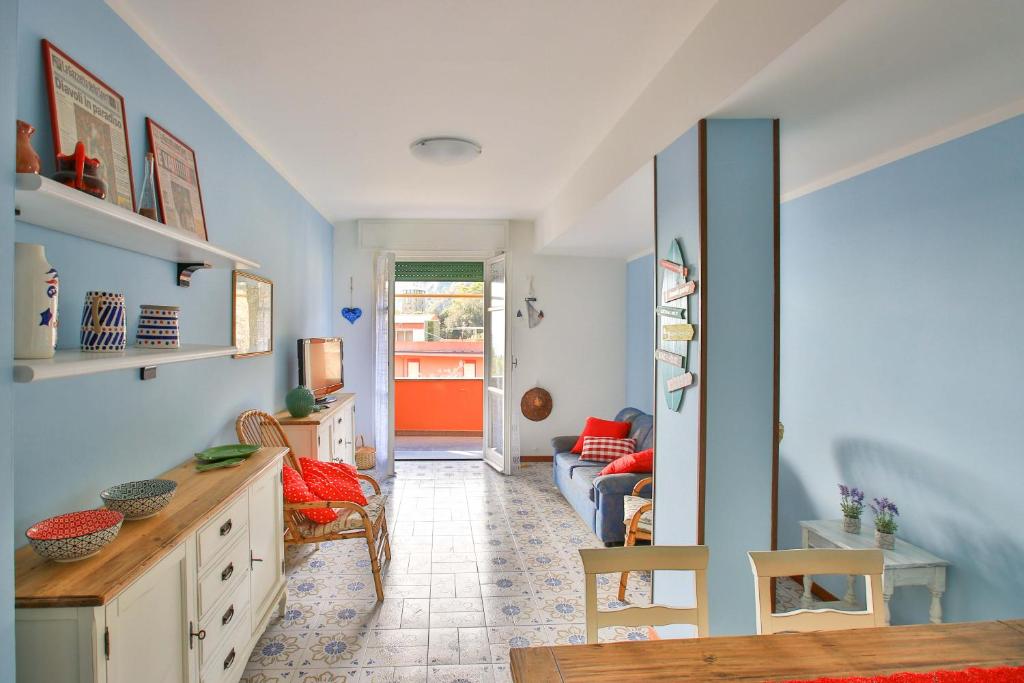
x,y
595,426
634,463
331,481
296,491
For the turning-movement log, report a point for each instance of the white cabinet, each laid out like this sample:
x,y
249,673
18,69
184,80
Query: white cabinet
x,y
192,616
148,624
328,435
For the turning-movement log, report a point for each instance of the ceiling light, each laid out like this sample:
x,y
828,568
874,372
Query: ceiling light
x,y
445,151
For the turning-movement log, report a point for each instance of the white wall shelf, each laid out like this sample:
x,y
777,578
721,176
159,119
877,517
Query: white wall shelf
x,y
71,362
50,204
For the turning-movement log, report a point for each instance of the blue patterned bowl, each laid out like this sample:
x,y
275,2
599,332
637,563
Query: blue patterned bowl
x,y
139,499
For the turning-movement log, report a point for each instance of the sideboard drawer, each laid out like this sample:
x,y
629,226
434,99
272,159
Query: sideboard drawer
x,y
227,663
220,623
221,577
223,529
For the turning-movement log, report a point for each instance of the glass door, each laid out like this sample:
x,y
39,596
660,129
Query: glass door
x,y
496,369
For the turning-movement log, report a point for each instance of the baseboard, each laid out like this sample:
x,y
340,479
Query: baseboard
x,y
816,590
536,458
426,432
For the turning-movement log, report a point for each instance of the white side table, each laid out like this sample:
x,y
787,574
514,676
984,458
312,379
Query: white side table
x,y
905,565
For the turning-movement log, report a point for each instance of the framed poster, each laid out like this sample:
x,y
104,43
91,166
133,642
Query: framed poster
x,y
177,181
82,107
252,314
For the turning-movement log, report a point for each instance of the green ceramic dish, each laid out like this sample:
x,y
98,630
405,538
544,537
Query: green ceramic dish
x,y
219,464
234,450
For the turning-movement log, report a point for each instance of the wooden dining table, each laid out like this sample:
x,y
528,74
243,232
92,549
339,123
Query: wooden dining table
x,y
780,657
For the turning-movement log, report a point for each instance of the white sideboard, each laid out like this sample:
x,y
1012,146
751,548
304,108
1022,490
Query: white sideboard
x,y
180,597
328,435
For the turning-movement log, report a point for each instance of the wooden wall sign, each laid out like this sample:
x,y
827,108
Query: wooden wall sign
x,y
674,321
677,332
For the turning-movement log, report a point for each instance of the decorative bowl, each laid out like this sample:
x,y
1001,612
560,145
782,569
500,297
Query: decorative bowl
x,y
76,535
139,499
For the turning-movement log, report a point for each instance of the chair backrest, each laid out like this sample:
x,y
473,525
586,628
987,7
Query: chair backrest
x,y
257,427
645,558
768,565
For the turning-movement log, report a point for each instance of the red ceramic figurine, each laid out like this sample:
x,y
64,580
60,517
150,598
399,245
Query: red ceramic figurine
x,y
80,172
27,160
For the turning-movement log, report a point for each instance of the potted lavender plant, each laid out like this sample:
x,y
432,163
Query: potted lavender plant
x,y
885,523
852,505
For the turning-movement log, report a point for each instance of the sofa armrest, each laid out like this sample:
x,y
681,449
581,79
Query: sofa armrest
x,y
563,444
621,484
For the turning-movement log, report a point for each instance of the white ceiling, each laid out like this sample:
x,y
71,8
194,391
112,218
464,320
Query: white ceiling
x,y
542,84
879,79
333,91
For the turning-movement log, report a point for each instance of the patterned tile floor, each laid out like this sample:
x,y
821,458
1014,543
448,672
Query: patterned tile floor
x,y
480,563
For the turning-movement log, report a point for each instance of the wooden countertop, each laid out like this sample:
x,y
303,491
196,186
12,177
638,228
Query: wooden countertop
x,y
791,656
285,418
140,544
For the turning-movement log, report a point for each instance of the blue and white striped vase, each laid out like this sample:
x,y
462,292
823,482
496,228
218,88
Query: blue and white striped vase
x,y
158,327
103,322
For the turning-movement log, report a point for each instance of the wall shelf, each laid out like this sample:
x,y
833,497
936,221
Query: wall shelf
x,y
72,362
49,204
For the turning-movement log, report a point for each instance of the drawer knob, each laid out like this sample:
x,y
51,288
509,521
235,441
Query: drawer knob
x,y
229,660
228,571
225,528
228,616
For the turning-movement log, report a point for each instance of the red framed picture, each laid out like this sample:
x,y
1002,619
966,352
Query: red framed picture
x,y
84,108
177,181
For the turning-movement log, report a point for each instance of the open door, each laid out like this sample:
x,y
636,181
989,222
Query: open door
x,y
384,371
497,330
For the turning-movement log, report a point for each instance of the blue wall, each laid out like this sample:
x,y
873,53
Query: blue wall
x,y
640,333
902,294
8,73
73,437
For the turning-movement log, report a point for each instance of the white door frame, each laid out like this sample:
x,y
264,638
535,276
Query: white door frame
x,y
503,461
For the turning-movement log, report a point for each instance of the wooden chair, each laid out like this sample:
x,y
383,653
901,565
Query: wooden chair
x,y
650,558
768,565
638,516
354,520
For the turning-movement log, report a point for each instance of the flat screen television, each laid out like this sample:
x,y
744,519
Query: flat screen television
x,y
321,366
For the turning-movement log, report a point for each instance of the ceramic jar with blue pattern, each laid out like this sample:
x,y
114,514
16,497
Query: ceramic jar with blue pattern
x,y
158,327
103,322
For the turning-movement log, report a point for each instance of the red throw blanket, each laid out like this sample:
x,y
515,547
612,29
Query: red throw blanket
x,y
1003,674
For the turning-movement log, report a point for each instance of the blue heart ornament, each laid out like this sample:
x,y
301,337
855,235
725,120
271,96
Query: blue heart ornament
x,y
351,314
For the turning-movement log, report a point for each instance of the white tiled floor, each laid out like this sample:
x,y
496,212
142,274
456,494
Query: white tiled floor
x,y
480,563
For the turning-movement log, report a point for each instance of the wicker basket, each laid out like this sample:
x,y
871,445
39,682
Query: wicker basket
x,y
366,456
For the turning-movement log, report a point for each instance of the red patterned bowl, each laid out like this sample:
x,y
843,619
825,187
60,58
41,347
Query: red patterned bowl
x,y
76,535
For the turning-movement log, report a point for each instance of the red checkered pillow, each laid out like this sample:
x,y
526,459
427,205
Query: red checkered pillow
x,y
296,491
332,481
606,448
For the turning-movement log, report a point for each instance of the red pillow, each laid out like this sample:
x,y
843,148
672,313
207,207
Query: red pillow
x,y
331,481
635,463
296,491
597,427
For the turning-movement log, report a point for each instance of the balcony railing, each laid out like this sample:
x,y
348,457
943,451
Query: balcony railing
x,y
443,406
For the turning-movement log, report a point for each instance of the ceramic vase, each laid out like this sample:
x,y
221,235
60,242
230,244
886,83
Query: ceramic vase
x,y
885,541
158,327
851,525
36,289
103,326
27,161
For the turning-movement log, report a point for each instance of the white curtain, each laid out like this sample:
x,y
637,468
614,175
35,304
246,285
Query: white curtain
x,y
382,399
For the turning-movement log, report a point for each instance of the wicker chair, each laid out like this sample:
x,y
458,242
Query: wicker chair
x,y
354,520
639,520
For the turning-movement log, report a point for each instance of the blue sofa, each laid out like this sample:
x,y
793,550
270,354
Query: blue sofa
x,y
597,499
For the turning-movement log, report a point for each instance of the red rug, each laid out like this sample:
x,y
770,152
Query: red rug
x,y
1003,674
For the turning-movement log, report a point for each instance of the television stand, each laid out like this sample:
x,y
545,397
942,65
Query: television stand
x,y
331,398
328,434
